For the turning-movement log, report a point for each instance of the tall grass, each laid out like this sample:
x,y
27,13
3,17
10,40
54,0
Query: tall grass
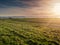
x,y
27,32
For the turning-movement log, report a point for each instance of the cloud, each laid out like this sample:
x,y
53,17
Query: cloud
x,y
25,7
11,3
23,3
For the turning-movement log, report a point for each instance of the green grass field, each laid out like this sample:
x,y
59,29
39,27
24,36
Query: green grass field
x,y
29,31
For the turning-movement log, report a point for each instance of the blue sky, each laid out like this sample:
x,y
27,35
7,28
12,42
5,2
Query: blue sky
x,y
13,3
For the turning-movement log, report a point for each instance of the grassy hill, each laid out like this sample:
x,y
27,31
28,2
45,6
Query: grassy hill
x,y
26,31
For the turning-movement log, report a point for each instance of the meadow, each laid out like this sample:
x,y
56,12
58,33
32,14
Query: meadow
x,y
29,31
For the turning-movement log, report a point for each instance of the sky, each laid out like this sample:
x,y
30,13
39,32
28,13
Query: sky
x,y
37,8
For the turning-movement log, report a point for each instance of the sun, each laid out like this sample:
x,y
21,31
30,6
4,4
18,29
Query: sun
x,y
56,9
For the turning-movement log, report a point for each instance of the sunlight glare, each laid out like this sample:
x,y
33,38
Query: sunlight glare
x,y
56,8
